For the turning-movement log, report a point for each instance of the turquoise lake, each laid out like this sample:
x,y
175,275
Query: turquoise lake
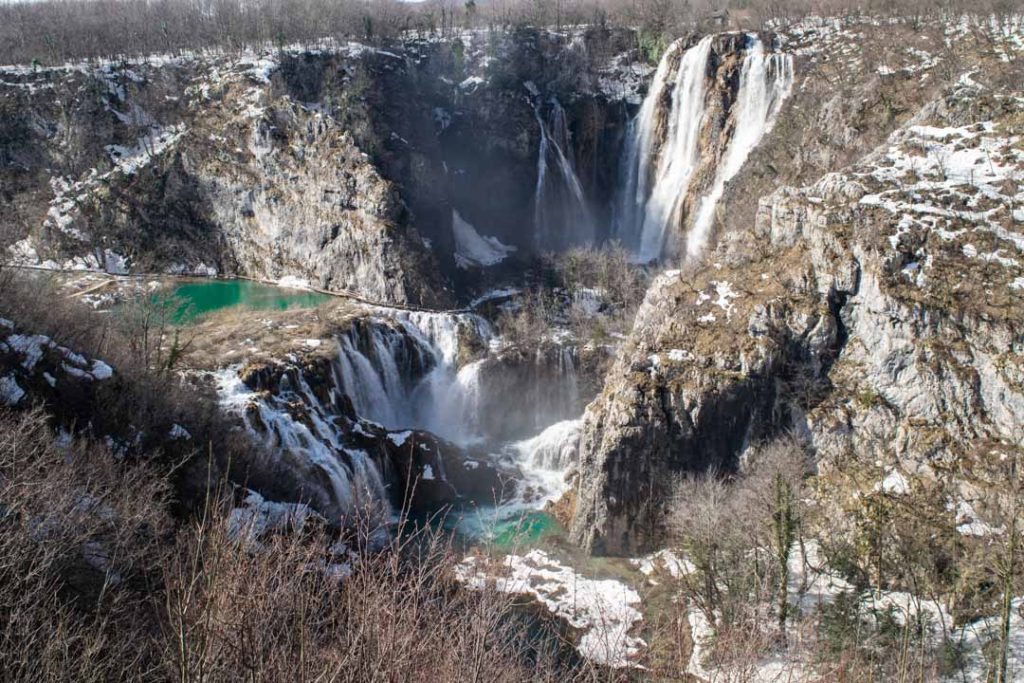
x,y
206,296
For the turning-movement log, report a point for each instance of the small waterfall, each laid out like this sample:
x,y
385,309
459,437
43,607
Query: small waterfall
x,y
355,484
663,149
554,392
407,369
765,82
402,370
545,460
561,216
553,450
377,363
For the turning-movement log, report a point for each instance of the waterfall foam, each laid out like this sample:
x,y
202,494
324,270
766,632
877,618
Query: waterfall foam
x,y
663,148
562,218
553,450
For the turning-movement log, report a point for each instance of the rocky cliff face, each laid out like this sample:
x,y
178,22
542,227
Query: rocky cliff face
x,y
231,178
341,167
876,314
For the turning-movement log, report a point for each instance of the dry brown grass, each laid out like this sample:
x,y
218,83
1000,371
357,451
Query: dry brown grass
x,y
98,584
78,553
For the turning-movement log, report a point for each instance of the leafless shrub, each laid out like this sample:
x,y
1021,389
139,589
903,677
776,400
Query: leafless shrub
x,y
81,540
96,584
739,534
287,608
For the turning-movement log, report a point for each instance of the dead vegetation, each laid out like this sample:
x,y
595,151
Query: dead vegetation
x,y
98,582
54,31
842,576
106,576
594,292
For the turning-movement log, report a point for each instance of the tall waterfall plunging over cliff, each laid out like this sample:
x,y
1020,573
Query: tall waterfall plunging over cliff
x,y
657,175
561,216
671,139
765,81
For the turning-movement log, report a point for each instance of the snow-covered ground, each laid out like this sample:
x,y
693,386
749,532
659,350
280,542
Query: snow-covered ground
x,y
473,250
813,584
604,612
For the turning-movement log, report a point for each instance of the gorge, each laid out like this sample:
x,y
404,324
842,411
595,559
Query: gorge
x,y
560,275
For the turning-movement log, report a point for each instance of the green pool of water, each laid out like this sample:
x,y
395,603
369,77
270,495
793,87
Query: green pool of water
x,y
202,297
524,531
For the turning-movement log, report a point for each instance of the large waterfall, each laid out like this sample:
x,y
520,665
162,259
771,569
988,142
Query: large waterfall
x,y
655,180
765,81
561,216
664,143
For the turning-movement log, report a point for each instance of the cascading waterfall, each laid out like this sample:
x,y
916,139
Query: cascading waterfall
x,y
356,487
376,364
401,369
661,156
406,375
651,196
562,218
765,82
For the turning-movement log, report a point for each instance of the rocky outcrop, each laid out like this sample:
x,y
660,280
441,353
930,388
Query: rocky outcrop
x,y
876,314
234,179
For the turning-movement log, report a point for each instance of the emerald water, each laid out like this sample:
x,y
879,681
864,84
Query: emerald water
x,y
206,296
525,531
500,530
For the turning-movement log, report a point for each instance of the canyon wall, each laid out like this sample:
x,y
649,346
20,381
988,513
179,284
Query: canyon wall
x,y
875,314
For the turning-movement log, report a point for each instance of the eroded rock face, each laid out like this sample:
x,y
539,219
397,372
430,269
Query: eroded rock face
x,y
233,177
877,314
340,167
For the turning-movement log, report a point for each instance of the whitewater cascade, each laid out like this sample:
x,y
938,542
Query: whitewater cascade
x,y
355,483
401,370
405,375
663,148
561,216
